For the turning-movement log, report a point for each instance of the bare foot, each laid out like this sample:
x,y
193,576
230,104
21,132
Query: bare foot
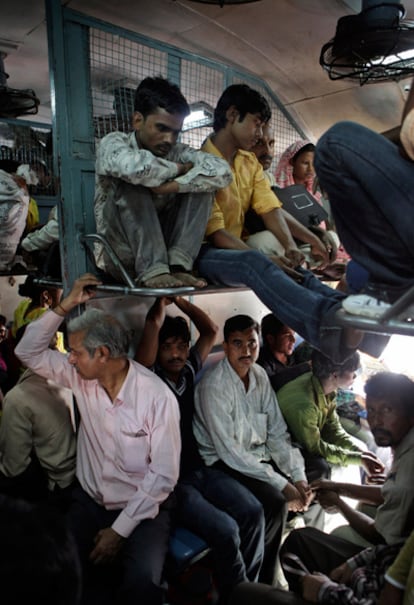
x,y
164,280
189,280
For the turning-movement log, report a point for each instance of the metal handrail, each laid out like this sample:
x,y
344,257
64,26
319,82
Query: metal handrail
x,y
390,322
131,287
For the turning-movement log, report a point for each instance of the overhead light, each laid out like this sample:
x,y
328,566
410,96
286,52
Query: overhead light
x,y
373,46
201,115
403,56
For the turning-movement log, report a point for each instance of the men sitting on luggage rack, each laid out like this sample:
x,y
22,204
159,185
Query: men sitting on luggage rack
x,y
309,307
209,502
309,233
15,211
153,196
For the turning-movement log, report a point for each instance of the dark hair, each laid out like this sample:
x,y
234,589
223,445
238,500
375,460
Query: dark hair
x,y
31,290
394,387
323,367
19,334
239,323
3,320
153,93
245,100
270,326
305,149
174,327
38,558
9,166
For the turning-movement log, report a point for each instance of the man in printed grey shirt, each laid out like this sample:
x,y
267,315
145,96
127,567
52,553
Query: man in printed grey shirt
x,y
153,196
240,430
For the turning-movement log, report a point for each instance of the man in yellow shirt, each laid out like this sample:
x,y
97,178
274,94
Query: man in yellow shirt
x,y
308,307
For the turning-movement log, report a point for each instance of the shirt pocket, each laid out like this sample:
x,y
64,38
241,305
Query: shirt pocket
x,y
259,429
134,449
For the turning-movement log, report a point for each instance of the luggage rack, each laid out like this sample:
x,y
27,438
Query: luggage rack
x,y
398,319
130,286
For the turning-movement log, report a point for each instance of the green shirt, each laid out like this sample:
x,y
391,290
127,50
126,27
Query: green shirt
x,y
313,422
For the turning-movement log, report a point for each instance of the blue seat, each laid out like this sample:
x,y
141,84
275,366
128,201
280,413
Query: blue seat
x,y
185,548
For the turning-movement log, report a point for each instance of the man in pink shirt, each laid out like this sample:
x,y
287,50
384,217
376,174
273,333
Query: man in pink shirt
x,y
128,450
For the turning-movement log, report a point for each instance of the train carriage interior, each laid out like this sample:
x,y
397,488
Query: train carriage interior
x,y
198,44
68,74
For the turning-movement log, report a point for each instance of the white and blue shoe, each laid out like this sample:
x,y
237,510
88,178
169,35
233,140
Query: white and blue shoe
x,y
365,306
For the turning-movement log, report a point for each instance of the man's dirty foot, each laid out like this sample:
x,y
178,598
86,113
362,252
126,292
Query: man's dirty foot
x,y
165,280
189,280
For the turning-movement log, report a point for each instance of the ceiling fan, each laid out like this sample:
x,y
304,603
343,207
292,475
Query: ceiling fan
x,y
373,46
14,103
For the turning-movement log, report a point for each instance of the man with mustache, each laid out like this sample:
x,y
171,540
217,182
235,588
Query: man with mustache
x,y
153,196
264,150
277,353
209,502
390,407
240,430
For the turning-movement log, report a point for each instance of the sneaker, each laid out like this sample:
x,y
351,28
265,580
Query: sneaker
x,y
364,305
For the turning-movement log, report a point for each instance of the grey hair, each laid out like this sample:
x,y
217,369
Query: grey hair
x,y
101,329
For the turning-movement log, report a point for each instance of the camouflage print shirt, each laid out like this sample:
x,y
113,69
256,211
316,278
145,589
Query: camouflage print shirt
x,y
14,204
119,159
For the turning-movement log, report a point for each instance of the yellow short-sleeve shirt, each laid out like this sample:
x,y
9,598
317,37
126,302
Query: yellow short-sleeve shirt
x,y
248,189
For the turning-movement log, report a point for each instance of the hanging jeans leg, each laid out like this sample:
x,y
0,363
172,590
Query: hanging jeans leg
x,y
371,192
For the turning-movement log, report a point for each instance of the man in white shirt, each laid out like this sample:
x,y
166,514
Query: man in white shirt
x,y
128,452
153,196
240,430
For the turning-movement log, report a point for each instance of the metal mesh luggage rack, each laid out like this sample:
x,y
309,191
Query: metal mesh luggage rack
x,y
398,319
131,287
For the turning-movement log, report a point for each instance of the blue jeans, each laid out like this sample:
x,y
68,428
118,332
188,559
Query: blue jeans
x,y
371,192
305,307
356,277
274,510
230,520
